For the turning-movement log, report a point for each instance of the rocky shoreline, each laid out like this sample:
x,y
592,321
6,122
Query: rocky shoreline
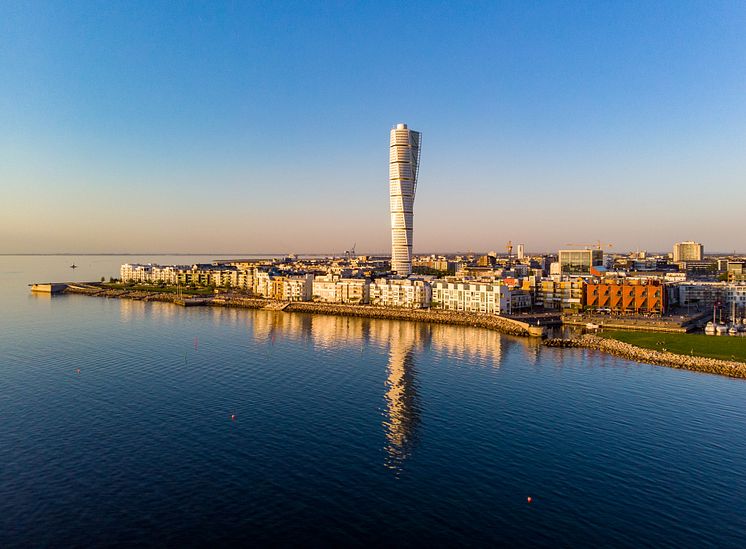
x,y
614,347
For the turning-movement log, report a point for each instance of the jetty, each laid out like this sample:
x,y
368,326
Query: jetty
x,y
49,287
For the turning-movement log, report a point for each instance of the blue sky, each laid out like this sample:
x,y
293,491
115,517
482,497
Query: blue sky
x,y
263,127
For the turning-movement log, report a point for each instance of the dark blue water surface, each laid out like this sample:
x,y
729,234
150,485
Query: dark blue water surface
x,y
346,431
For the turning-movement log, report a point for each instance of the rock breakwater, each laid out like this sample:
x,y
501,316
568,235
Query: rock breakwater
x,y
730,368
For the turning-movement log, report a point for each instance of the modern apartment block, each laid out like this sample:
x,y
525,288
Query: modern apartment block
x,y
198,274
394,292
471,297
580,262
627,297
688,251
292,287
333,289
404,159
562,295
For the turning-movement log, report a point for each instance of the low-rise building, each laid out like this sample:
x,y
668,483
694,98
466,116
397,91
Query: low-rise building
x,y
520,300
135,272
735,300
263,283
296,287
701,294
626,297
471,297
400,292
334,289
561,295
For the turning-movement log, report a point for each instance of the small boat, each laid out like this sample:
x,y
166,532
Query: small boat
x,y
732,331
721,329
591,326
710,328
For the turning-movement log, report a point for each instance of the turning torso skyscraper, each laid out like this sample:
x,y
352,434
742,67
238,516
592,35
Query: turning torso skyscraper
x,y
404,160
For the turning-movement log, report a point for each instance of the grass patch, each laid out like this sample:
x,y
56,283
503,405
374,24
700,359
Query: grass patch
x,y
722,347
156,288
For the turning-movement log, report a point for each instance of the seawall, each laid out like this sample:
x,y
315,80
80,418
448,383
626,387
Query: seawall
x,y
614,347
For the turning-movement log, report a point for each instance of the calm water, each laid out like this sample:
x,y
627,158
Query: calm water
x,y
346,430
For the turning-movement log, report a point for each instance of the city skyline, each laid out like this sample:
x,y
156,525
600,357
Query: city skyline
x,y
250,129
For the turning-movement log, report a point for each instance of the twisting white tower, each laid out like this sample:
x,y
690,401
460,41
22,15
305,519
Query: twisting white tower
x,y
404,160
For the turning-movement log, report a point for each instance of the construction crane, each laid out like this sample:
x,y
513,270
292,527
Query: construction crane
x,y
598,244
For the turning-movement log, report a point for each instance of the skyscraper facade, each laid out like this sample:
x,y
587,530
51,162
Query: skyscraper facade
x,y
404,160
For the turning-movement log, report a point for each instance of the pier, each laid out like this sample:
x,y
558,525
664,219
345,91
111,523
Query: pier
x,y
49,287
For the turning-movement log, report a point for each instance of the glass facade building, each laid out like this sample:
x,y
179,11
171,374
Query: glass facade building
x,y
579,262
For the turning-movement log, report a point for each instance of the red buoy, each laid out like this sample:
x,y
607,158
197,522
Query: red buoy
x,y
233,417
528,499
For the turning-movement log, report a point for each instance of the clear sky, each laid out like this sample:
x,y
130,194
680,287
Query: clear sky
x,y
264,126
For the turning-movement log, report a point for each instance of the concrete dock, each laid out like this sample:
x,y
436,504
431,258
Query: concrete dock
x,y
49,287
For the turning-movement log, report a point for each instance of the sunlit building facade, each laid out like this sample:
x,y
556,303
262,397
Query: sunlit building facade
x,y
627,297
688,251
472,297
580,262
404,159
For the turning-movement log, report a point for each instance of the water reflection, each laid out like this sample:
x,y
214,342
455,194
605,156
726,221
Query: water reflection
x,y
402,413
465,343
403,343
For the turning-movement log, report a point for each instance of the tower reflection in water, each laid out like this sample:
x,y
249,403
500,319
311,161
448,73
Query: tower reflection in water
x,y
404,341
402,413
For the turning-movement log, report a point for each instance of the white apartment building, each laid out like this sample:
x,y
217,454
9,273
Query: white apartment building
x,y
263,284
294,287
736,294
333,289
325,288
471,297
168,274
135,272
400,292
